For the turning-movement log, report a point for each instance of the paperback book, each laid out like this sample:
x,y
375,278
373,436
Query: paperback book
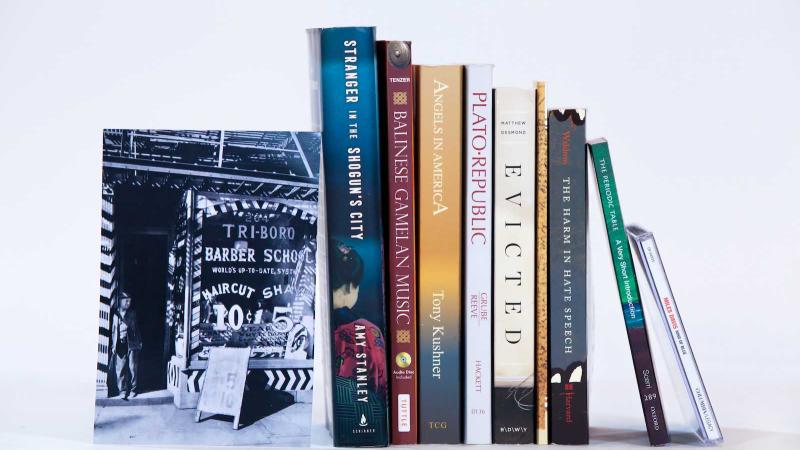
x,y
629,294
350,137
478,184
397,109
440,112
568,399
514,275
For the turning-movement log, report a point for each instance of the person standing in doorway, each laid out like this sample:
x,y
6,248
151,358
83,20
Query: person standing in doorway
x,y
127,343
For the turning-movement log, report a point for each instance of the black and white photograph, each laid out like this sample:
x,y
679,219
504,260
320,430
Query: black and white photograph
x,y
207,258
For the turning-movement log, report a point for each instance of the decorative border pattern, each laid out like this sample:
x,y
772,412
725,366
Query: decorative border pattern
x,y
108,285
263,379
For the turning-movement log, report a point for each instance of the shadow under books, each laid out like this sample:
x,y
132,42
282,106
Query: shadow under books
x,y
601,435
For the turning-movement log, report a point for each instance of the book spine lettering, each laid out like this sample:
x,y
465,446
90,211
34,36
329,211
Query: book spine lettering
x,y
478,255
514,275
351,149
629,295
439,116
396,78
568,398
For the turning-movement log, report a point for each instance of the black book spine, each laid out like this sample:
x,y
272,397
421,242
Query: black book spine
x,y
567,216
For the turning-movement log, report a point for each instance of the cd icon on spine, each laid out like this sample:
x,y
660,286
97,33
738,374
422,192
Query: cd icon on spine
x,y
402,360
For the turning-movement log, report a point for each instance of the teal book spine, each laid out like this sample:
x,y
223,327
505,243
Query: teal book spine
x,y
629,294
351,155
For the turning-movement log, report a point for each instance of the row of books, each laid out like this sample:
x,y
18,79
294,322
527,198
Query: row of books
x,y
456,216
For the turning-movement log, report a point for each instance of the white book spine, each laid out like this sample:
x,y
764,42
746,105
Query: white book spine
x,y
514,245
478,255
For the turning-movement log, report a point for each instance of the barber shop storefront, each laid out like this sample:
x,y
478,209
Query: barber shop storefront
x,y
212,236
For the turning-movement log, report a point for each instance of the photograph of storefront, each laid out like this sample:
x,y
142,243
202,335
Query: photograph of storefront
x,y
208,240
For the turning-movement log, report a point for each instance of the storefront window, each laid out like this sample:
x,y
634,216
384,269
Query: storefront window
x,y
256,260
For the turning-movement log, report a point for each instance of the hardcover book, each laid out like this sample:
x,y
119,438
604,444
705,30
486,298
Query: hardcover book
x,y
350,137
397,109
440,162
514,256
568,399
478,255
650,259
541,267
208,242
629,294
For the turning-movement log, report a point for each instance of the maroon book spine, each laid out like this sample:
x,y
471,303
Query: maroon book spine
x,y
397,108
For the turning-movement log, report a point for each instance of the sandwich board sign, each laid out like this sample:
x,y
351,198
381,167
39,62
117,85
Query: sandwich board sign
x,y
223,386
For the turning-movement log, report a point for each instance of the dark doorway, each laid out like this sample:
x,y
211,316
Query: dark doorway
x,y
144,268
144,223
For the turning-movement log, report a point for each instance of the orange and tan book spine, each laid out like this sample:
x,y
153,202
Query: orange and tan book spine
x,y
541,266
439,215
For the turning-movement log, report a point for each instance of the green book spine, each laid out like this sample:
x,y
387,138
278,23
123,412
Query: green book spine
x,y
629,294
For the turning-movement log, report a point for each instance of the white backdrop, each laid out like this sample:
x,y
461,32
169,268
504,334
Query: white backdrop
x,y
698,101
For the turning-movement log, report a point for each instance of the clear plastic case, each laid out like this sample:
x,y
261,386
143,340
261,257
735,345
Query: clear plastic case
x,y
322,404
689,412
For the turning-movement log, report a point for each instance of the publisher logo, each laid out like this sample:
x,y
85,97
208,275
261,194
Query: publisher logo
x,y
404,413
403,360
363,426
